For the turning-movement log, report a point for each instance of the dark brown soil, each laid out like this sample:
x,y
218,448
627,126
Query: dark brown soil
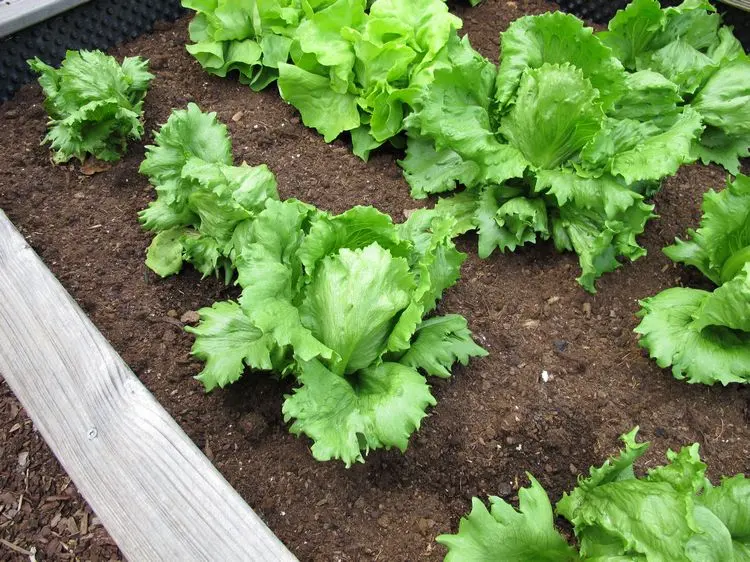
x,y
494,420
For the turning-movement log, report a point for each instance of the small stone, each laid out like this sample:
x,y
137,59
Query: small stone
x,y
553,300
504,489
23,459
560,345
587,308
549,469
158,62
294,120
79,195
573,469
190,317
11,114
425,525
383,521
253,425
237,116
172,313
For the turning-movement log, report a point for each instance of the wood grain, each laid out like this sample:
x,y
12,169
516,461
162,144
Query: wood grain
x,y
741,4
158,496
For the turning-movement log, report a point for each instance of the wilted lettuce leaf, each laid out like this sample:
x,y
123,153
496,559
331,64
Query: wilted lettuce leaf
x,y
95,105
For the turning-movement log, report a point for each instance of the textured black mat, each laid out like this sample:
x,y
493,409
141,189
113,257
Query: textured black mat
x,y
99,24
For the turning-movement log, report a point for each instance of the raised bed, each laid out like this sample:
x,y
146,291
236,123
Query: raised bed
x,y
494,420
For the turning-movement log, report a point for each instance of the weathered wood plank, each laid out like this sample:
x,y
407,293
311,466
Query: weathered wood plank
x,y
155,492
741,4
18,14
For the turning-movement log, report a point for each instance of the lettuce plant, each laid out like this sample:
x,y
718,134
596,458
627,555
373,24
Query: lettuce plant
x,y
705,335
202,198
358,70
673,513
688,46
339,302
252,38
558,142
95,105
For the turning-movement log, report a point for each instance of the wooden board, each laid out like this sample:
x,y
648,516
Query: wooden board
x,y
158,496
741,4
18,14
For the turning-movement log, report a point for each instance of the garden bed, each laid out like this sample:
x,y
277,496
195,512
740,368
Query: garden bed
x,y
494,420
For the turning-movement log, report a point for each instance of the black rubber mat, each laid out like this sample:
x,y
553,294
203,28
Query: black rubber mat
x,y
99,24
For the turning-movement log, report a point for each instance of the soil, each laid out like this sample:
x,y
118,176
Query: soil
x,y
494,420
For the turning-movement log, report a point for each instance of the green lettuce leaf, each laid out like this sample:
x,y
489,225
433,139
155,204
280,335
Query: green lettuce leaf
x,y
354,229
659,155
361,71
95,105
227,341
428,170
557,39
252,38
506,535
723,235
440,342
634,30
690,49
673,513
164,255
715,146
597,218
455,111
271,275
677,334
681,63
729,502
380,406
188,133
724,99
657,517
648,96
353,302
321,107
202,199
555,113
